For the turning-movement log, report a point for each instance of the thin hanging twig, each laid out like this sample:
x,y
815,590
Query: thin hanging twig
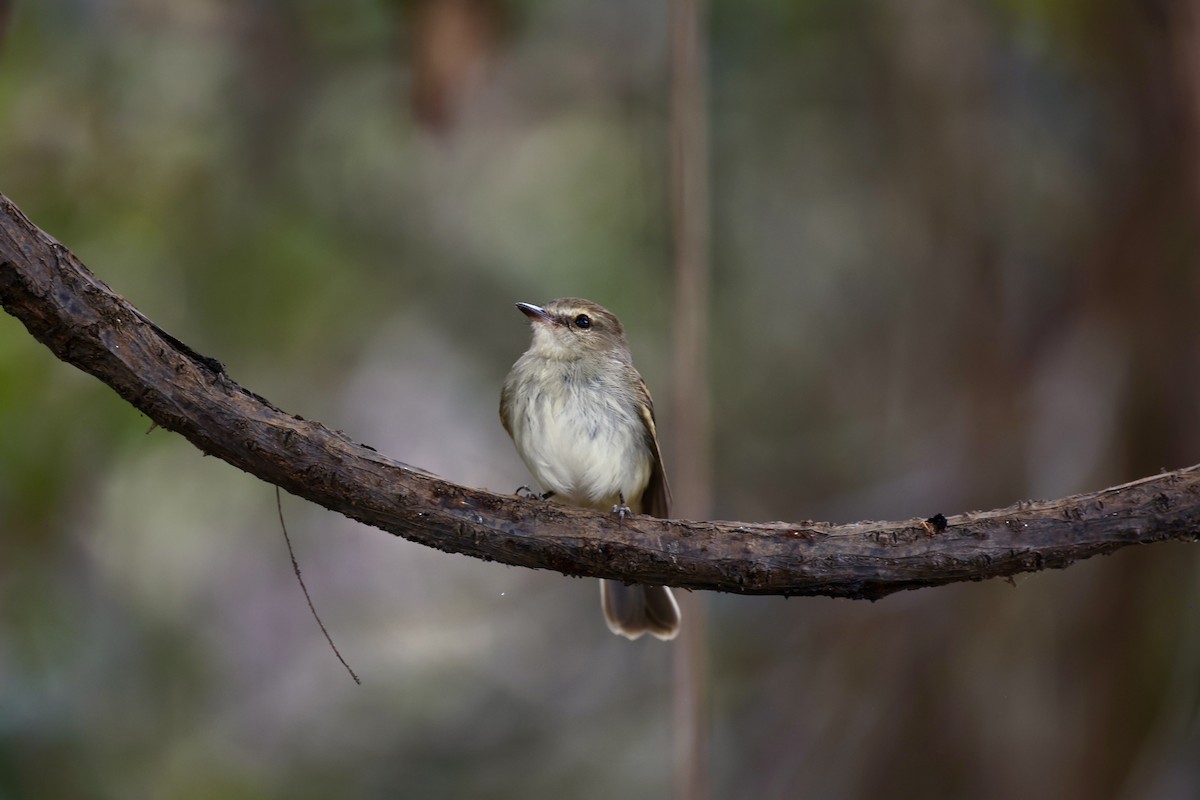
x,y
303,588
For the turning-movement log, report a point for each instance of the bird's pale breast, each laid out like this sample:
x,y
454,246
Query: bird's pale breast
x,y
584,443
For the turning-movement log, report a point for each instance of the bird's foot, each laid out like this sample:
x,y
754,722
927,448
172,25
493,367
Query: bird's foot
x,y
525,493
621,510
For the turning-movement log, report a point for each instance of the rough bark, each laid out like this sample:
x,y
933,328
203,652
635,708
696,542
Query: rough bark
x,y
86,324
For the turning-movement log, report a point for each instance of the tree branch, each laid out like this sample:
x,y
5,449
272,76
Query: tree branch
x,y
83,322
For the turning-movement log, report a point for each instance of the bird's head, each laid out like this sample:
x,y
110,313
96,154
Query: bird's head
x,y
571,328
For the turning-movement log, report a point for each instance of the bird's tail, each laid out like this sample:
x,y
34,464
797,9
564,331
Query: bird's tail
x,y
633,610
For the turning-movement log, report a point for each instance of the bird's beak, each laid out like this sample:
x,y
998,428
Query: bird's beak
x,y
535,313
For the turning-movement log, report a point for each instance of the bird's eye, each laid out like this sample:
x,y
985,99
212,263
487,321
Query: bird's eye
x,y
583,321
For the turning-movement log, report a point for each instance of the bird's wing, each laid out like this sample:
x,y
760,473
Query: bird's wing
x,y
656,499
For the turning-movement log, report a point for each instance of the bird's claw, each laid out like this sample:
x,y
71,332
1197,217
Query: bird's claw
x,y
525,493
622,510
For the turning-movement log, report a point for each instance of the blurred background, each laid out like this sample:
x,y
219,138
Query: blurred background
x,y
954,265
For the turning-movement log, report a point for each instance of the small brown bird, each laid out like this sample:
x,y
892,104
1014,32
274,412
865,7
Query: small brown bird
x,y
583,422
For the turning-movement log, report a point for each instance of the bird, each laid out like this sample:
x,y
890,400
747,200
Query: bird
x,y
582,420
